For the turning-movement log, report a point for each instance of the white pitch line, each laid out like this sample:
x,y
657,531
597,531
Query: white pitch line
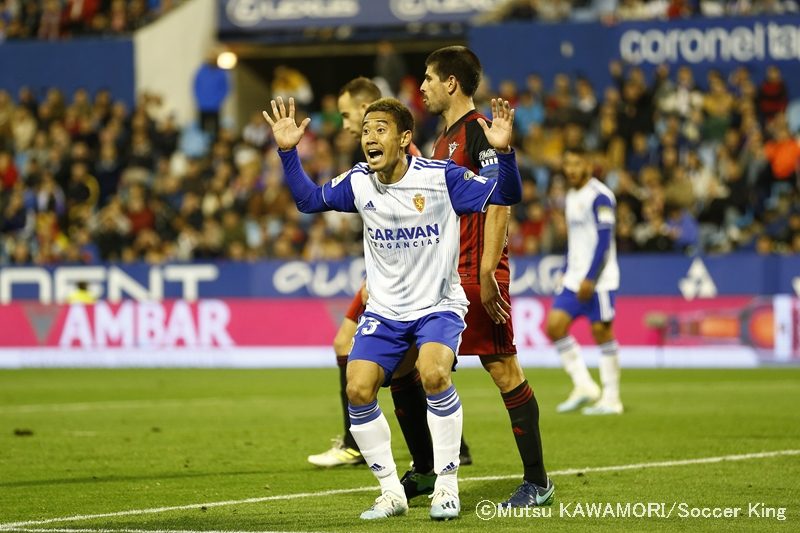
x,y
122,404
660,464
87,530
18,526
76,518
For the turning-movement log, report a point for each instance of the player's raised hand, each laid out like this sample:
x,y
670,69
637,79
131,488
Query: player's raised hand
x,y
500,132
284,128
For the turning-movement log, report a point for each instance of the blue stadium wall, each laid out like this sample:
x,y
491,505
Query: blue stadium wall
x,y
585,49
92,64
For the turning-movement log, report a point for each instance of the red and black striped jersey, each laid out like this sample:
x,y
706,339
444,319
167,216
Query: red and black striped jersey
x,y
465,143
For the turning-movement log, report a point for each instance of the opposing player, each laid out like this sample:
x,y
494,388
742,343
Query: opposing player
x,y
410,208
406,388
590,283
451,78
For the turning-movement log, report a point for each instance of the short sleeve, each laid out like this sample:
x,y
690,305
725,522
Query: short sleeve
x,y
469,192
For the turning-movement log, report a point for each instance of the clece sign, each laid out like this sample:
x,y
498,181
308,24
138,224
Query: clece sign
x,y
416,10
258,15
249,13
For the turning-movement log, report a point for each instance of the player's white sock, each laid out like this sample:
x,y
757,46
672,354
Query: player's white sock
x,y
445,420
609,370
374,438
573,362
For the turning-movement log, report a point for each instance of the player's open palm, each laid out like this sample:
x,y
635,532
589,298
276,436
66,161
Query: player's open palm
x,y
284,128
500,132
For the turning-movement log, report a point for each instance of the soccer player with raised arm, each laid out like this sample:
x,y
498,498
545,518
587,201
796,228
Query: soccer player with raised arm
x,y
406,387
410,208
451,78
590,283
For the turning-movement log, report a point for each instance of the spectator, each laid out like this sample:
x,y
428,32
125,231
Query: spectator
x,y
291,83
210,90
783,154
8,171
50,21
772,95
78,15
390,66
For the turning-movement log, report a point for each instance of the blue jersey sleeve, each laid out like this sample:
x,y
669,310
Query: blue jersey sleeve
x,y
469,192
311,198
338,193
603,209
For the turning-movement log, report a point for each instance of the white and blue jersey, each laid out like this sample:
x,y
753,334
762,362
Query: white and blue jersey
x,y
411,233
592,253
411,242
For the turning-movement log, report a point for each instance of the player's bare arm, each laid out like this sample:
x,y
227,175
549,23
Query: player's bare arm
x,y
495,231
586,290
284,127
499,135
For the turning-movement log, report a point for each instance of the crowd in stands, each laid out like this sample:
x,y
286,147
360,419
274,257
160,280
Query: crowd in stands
x,y
62,19
84,179
712,170
611,11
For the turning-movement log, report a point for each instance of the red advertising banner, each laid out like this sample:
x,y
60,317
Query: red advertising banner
x,y
767,328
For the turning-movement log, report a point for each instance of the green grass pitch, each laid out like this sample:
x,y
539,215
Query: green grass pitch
x,y
100,442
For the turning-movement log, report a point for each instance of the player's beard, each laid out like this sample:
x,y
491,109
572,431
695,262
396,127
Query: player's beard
x,y
432,107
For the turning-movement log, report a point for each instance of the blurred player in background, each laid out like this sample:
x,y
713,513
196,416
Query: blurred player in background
x,y
451,78
81,294
589,288
410,208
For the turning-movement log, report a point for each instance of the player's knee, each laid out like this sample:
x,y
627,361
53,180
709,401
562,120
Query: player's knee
x,y
503,379
601,331
360,392
506,373
556,330
435,378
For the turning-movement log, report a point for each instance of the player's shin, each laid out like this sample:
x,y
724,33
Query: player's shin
x,y
348,439
524,413
445,419
411,408
609,370
374,438
573,363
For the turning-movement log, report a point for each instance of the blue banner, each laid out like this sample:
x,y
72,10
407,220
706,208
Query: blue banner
x,y
259,15
585,49
642,275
